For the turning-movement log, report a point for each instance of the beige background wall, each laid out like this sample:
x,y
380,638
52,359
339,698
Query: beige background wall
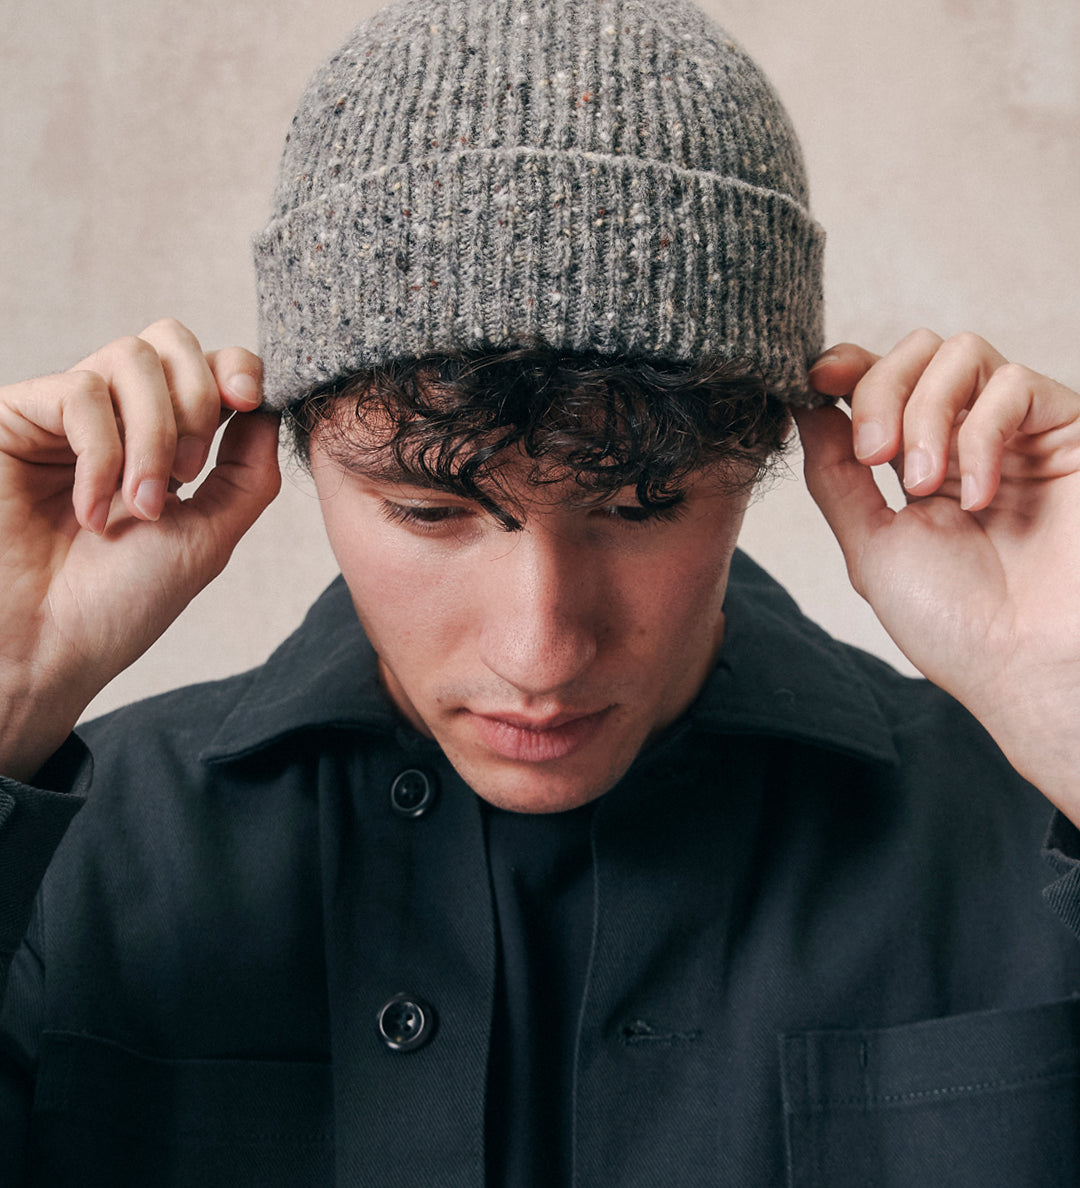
x,y
139,139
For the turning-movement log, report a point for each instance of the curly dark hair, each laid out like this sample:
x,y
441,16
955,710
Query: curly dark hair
x,y
448,421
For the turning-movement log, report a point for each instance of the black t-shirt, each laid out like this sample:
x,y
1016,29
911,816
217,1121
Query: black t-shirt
x,y
542,882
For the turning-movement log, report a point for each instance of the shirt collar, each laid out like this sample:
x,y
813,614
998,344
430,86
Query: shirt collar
x,y
782,676
778,675
324,675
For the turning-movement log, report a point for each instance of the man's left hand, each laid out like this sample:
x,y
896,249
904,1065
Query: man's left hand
x,y
977,578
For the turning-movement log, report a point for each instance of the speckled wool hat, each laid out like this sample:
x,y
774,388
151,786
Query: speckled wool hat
x,y
599,175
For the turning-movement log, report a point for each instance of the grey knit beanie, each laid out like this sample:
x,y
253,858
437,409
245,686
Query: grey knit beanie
x,y
611,176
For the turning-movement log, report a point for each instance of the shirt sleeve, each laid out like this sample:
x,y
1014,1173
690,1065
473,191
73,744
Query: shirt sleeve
x,y
1062,852
33,819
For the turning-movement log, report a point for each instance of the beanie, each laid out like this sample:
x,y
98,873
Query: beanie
x,y
608,176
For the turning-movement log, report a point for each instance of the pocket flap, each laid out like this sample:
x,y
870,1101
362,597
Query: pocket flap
x,y
982,1099
105,1114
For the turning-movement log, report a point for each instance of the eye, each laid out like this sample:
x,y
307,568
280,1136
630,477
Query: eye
x,y
422,515
635,513
632,513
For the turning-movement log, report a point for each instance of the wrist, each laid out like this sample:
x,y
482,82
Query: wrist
x,y
33,726
1039,738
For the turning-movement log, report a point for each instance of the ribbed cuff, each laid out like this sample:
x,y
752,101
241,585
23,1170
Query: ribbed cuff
x,y
579,251
1062,851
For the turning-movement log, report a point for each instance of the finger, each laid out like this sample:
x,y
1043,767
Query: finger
x,y
91,430
244,480
879,399
842,486
192,390
238,374
950,380
1014,400
836,372
60,419
140,396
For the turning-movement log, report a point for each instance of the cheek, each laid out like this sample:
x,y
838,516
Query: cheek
x,y
690,581
680,601
405,600
687,606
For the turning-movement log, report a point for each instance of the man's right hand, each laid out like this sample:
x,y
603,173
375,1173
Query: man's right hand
x,y
97,553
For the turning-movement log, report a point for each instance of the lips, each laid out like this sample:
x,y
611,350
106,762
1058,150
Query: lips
x,y
537,740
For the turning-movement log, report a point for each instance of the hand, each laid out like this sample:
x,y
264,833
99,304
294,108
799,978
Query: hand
x,y
977,579
98,554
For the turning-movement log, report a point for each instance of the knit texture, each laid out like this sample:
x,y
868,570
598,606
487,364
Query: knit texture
x,y
613,176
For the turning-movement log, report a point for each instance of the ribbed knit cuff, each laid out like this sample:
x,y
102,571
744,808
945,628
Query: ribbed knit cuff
x,y
1062,851
578,251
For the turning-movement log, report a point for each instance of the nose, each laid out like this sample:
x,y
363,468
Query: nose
x,y
541,612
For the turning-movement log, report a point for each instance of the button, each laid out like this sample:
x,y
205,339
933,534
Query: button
x,y
412,793
406,1023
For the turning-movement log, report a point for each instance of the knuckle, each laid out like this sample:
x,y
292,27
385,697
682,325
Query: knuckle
x,y
233,359
89,418
134,348
170,328
198,406
978,439
926,418
968,343
1014,375
154,444
85,387
160,432
918,418
110,453
969,434
923,338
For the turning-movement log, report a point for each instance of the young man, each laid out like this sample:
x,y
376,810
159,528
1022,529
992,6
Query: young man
x,y
555,847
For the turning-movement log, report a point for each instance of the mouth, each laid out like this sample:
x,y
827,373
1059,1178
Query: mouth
x,y
537,740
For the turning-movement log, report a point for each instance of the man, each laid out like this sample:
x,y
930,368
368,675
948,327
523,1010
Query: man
x,y
555,847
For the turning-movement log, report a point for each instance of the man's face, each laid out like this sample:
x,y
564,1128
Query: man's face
x,y
541,660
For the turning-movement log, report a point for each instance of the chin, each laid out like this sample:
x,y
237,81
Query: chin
x,y
537,791
516,801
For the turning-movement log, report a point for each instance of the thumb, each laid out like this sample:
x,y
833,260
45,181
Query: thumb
x,y
842,487
243,482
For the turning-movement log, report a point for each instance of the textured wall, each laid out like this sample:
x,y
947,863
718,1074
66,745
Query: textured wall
x,y
139,141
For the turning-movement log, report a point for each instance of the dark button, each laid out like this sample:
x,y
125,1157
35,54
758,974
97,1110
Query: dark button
x,y
412,793
406,1023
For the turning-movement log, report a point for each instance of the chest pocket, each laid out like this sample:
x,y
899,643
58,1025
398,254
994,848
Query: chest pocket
x,y
983,1100
103,1115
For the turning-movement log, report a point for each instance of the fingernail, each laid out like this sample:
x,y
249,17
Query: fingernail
x,y
916,467
150,498
99,516
189,457
824,361
870,436
243,387
969,491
